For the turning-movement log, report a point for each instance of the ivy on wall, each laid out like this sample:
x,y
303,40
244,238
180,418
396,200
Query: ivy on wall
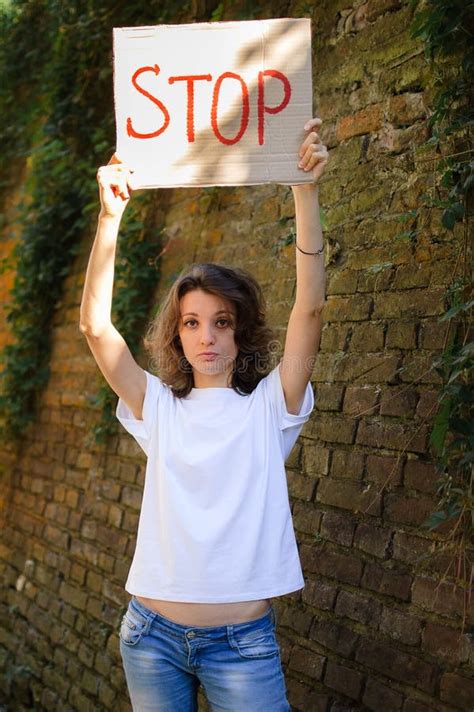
x,y
57,108
446,27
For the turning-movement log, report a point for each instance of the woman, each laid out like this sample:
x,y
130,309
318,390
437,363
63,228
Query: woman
x,y
215,538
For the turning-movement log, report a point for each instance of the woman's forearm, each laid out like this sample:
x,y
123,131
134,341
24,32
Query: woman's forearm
x,y
310,271
96,305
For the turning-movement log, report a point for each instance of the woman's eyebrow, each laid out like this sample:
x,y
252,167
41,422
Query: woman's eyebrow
x,y
221,311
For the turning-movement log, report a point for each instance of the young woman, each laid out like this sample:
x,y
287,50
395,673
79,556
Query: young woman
x,y
215,538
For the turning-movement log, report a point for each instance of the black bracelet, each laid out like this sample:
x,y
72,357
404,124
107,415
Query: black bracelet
x,y
309,253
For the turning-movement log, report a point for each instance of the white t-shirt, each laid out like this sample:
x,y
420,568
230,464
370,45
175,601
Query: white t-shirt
x,y
215,523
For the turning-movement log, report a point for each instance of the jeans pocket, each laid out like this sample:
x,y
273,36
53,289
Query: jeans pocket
x,y
132,628
257,643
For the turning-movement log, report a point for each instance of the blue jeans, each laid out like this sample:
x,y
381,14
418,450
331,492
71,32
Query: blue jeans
x,y
238,666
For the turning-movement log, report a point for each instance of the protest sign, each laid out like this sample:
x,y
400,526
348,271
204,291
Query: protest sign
x,y
220,103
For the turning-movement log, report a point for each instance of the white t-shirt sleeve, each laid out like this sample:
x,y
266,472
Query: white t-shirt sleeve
x,y
142,429
290,423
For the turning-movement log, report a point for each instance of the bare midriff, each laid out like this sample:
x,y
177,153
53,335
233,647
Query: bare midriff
x,y
206,614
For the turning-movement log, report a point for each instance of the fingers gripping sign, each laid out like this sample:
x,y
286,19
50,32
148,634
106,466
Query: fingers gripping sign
x,y
114,185
313,153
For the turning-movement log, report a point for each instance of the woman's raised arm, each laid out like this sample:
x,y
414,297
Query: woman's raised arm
x,y
108,347
303,334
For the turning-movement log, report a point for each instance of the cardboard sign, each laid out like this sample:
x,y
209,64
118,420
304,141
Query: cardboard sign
x,y
213,103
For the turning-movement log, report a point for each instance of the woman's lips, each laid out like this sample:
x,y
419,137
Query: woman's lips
x,y
208,355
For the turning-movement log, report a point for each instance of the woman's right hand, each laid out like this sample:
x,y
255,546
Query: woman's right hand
x,y
114,187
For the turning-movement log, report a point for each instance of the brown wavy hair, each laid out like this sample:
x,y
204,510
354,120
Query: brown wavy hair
x,y
256,342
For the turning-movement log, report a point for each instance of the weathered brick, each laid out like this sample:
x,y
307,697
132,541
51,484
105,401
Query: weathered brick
x,y
113,592
297,619
373,539
294,459
432,333
413,275
412,705
418,366
130,522
306,517
457,690
338,527
401,335
94,581
300,486
315,459
378,696
445,643
334,336
115,516
305,697
79,701
347,464
344,679
365,368
90,682
112,539
107,696
398,436
343,281
409,303
319,594
410,549
377,279
368,336
329,397
56,536
319,559
400,626
406,108
361,400
428,404
132,497
397,665
387,581
349,495
358,608
78,573
333,429
307,662
355,307
375,8
398,401
74,596
421,476
410,511
365,121
384,470
334,636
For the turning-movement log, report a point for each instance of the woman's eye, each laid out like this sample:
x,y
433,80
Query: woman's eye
x,y
226,321
189,322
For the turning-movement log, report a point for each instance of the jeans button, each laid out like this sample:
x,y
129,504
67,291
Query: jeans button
x,y
191,634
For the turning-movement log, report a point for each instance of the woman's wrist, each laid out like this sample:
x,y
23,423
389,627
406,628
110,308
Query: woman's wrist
x,y
106,217
311,189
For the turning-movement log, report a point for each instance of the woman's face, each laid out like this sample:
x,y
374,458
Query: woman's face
x,y
206,330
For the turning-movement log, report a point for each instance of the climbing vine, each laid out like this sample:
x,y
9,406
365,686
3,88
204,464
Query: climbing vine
x,y
57,119
447,29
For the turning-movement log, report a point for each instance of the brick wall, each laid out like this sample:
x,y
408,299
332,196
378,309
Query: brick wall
x,y
375,626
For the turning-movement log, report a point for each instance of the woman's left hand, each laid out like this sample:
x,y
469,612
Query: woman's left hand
x,y
313,153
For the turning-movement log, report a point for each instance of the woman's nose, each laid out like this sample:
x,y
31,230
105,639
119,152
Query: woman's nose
x,y
207,335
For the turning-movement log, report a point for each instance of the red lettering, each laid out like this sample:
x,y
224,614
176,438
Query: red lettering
x,y
190,110
245,109
130,130
262,109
